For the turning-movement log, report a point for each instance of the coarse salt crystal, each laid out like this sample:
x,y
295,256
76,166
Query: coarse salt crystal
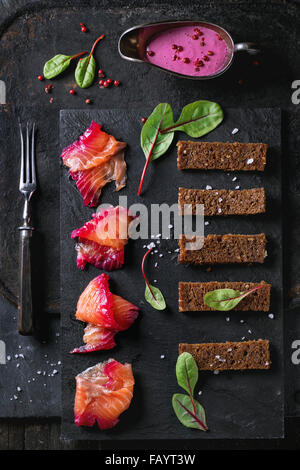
x,y
216,372
19,389
200,392
220,199
234,131
249,161
170,226
242,321
8,358
271,315
219,210
208,186
161,255
206,223
237,187
55,371
234,178
162,356
227,318
151,245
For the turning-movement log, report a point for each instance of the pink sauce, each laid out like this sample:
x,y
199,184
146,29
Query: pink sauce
x,y
188,50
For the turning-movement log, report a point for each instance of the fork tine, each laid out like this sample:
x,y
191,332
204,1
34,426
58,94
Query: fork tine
x,y
22,156
27,155
33,174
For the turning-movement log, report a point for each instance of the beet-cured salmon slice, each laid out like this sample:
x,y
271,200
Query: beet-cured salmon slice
x,y
93,148
90,182
103,392
98,306
96,338
108,227
102,257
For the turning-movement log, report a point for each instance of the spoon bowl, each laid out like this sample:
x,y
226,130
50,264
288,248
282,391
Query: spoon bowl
x,y
133,44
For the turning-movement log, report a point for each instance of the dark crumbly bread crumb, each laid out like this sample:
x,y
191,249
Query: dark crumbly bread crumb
x,y
227,156
230,356
223,249
222,201
191,295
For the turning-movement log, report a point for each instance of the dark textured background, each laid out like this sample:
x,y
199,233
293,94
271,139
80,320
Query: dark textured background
x,y
30,35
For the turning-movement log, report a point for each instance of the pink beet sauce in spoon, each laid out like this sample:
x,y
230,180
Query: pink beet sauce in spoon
x,y
188,50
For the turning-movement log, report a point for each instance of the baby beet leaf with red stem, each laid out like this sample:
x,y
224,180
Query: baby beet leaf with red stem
x,y
58,64
197,119
153,143
226,299
85,70
152,294
188,410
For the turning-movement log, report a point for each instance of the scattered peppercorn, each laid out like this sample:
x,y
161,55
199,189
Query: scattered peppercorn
x,y
109,81
101,82
88,101
117,82
202,43
219,37
72,92
143,120
83,27
186,60
174,46
48,88
206,58
40,77
101,74
195,36
106,84
210,53
51,100
151,53
179,48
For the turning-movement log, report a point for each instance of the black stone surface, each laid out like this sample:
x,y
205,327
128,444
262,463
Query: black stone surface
x,y
29,370
31,31
238,405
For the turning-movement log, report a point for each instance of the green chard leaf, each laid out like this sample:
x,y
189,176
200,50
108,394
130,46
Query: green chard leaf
x,y
58,64
187,372
190,413
151,140
226,299
197,119
155,297
85,71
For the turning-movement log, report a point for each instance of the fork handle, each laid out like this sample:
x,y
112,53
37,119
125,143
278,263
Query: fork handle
x,y
25,311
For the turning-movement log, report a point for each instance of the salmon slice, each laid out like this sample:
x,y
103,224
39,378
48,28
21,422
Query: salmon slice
x,y
96,338
103,392
102,257
108,227
90,182
105,313
93,148
97,305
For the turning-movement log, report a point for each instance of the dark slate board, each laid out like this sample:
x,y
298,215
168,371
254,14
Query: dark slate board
x,y
238,405
29,365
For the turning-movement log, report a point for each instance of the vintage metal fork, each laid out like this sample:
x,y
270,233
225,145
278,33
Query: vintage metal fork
x,y
27,187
